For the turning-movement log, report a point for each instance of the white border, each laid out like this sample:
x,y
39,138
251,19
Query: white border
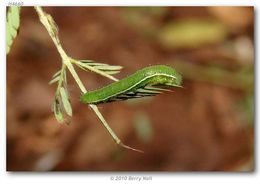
x,y
134,2
88,178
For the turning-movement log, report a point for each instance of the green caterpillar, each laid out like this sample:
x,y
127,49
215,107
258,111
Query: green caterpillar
x,y
148,81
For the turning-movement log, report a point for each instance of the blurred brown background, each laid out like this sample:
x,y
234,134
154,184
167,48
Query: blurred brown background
x,y
205,126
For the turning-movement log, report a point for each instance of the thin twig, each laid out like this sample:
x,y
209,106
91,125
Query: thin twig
x,y
52,29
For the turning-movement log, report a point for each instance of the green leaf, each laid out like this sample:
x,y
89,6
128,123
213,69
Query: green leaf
x,y
12,25
56,107
54,80
14,16
65,101
57,73
112,72
109,69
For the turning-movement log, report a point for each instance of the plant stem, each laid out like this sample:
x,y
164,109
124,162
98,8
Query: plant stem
x,y
50,26
111,132
63,69
52,29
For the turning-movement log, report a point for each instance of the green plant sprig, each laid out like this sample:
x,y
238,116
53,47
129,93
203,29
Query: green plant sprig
x,y
12,26
61,95
99,68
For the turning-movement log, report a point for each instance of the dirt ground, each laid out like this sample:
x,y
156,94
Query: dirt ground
x,y
204,126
